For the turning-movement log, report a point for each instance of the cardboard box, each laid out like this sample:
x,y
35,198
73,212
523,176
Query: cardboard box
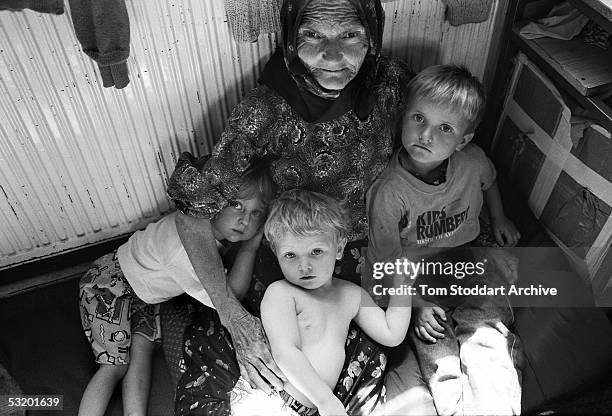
x,y
566,181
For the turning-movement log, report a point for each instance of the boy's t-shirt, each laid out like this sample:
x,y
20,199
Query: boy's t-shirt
x,y
405,212
156,265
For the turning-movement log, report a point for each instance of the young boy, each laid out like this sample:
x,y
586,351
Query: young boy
x,y
428,200
306,316
119,295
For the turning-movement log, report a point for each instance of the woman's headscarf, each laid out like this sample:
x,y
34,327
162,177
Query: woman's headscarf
x,y
286,74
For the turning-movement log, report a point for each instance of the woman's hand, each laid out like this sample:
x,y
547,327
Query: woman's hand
x,y
253,352
426,324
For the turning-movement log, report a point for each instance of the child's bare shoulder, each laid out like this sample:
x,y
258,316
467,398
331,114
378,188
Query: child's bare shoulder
x,y
349,291
280,287
345,285
277,292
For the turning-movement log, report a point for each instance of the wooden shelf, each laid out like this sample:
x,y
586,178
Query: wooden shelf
x,y
567,80
586,67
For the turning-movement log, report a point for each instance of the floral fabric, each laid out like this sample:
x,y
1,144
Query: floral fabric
x,y
341,157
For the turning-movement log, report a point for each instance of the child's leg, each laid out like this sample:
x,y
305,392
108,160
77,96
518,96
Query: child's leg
x,y
441,369
489,354
407,391
105,307
145,327
137,380
100,389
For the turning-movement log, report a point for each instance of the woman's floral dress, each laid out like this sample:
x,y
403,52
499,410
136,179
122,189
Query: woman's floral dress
x,y
342,158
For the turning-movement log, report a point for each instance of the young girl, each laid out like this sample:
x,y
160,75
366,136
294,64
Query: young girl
x,y
119,295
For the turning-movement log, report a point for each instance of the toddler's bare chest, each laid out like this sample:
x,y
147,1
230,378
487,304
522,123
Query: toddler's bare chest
x,y
323,321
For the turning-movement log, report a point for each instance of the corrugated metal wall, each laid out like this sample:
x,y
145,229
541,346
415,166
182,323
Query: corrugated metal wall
x,y
80,163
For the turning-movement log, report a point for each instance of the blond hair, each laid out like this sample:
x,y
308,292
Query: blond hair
x,y
305,213
450,85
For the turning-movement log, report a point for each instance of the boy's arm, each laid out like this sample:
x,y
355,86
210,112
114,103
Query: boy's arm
x,y
278,315
504,230
386,327
239,277
493,200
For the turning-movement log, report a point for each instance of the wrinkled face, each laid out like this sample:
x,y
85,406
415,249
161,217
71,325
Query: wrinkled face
x,y
432,132
240,220
309,261
332,43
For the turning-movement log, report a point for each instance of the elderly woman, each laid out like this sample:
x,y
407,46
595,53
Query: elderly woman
x,y
325,116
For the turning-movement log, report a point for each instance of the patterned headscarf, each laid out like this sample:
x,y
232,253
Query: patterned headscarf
x,y
286,74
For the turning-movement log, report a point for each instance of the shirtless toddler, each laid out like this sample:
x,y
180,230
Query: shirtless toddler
x,y
306,316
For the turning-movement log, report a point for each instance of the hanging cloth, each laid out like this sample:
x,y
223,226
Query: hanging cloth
x,y
250,18
103,29
41,6
460,12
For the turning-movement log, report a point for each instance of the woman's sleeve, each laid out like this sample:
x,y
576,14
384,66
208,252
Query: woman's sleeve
x,y
395,75
202,187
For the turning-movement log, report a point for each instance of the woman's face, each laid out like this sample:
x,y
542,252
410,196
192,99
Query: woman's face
x,y
332,43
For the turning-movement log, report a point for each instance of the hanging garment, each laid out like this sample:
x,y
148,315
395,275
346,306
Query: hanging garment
x,y
42,6
103,29
460,12
250,18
